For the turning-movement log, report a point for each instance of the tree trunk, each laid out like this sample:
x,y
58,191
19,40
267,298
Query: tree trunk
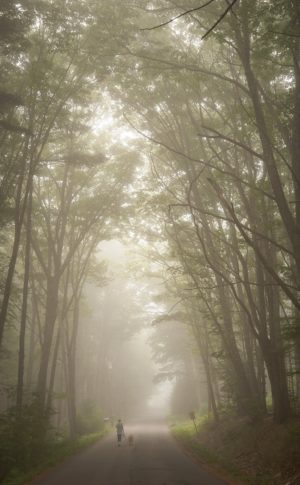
x,y
281,406
19,213
71,369
21,360
290,223
50,319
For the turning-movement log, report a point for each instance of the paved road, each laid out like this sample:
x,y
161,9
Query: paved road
x,y
154,459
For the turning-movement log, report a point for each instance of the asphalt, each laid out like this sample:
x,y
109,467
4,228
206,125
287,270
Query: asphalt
x,y
155,458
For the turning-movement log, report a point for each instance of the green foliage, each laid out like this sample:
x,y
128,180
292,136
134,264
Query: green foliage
x,y
184,432
24,438
262,453
15,19
53,454
89,419
29,444
195,103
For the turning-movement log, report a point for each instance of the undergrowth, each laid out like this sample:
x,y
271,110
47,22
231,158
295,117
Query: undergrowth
x,y
260,453
185,432
56,453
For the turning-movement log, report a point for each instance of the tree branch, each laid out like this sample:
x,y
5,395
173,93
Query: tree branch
x,y
231,140
219,19
179,16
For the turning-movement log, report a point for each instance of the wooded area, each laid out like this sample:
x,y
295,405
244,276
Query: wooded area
x,y
201,164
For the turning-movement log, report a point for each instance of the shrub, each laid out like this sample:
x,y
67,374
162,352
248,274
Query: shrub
x,y
23,438
89,419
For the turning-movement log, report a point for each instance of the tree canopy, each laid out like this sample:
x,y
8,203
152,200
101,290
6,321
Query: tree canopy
x,y
175,130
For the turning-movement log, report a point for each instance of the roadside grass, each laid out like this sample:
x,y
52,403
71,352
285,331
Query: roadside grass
x,y
185,432
56,453
259,453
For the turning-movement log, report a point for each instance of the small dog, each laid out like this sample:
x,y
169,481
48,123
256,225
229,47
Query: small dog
x,y
130,440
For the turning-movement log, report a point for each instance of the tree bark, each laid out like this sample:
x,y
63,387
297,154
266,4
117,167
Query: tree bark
x,y
50,319
21,359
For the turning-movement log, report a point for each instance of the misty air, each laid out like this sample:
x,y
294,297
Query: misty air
x,y
150,242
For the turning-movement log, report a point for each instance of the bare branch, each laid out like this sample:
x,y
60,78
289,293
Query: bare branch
x,y
179,16
219,19
190,67
231,140
283,33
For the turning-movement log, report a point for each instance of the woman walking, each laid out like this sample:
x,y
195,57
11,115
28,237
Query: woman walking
x,y
120,431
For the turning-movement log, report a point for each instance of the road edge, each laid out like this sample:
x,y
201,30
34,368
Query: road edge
x,y
29,477
215,470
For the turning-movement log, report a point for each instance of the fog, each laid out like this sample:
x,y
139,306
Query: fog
x,y
149,231
125,350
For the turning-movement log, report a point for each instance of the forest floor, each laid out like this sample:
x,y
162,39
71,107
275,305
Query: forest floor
x,y
261,453
56,453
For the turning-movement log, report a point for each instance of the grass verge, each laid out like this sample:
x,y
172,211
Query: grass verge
x,y
56,453
260,453
185,434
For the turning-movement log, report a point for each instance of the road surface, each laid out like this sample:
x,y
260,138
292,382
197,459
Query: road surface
x,y
153,459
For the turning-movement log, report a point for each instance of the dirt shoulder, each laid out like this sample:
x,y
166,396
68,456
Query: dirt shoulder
x,y
242,452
